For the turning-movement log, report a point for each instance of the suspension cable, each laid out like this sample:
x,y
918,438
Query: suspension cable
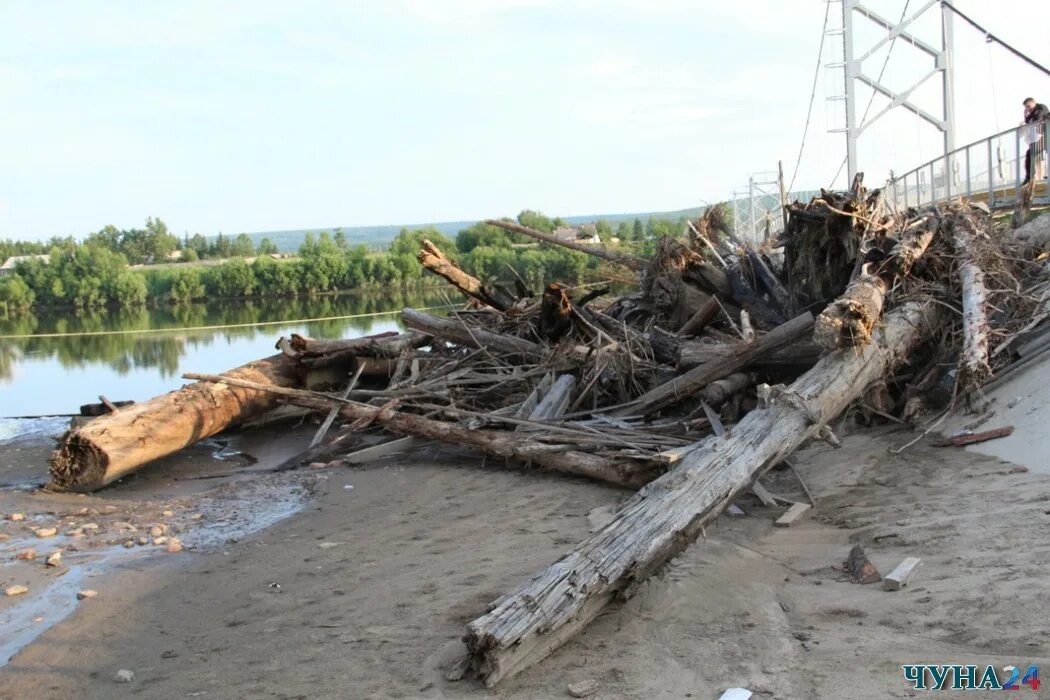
x,y
812,95
989,37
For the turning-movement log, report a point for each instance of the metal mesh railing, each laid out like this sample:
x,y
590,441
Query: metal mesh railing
x,y
991,170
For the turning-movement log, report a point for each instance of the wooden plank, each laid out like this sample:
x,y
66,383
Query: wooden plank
x,y
961,440
899,577
370,454
793,514
557,399
334,411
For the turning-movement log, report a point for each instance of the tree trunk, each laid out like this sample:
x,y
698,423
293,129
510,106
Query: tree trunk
x,y
618,258
434,260
697,378
973,364
849,320
117,444
322,354
664,517
699,320
803,353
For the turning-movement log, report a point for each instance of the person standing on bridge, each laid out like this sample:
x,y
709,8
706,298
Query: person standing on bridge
x,y
1035,113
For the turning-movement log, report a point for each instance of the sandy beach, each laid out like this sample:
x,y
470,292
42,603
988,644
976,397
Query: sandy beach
x,y
365,590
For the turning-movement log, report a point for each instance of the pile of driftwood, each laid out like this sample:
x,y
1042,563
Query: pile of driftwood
x,y
721,363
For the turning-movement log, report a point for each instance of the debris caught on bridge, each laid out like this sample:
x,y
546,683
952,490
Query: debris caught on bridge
x,y
716,366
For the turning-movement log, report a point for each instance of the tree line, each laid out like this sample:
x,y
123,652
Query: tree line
x,y
96,272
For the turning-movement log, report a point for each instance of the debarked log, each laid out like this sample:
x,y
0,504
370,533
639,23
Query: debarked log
x,y
973,363
341,354
664,517
849,320
117,444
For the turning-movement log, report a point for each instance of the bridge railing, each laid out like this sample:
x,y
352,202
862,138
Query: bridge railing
x,y
990,170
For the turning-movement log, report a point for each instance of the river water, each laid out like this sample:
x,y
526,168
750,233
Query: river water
x,y
52,363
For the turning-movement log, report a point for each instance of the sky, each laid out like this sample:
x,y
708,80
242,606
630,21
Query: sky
x,y
269,115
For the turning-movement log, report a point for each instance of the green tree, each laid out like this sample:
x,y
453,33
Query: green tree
x,y
410,241
243,246
15,294
186,285
232,279
128,289
340,239
266,247
200,244
638,230
276,278
536,220
481,234
189,255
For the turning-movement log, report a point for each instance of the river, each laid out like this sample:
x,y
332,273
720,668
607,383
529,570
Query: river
x,y
51,363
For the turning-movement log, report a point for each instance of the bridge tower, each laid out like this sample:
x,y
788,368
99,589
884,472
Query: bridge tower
x,y
852,67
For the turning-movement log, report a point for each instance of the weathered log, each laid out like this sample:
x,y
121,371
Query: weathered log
x,y
458,332
664,517
499,443
609,255
803,353
718,392
341,354
556,399
117,444
769,281
697,378
699,320
973,362
912,245
850,319
511,445
431,258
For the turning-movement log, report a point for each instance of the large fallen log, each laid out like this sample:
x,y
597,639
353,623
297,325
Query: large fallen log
x,y
117,444
697,378
431,258
664,517
850,319
499,443
609,255
314,354
973,362
803,353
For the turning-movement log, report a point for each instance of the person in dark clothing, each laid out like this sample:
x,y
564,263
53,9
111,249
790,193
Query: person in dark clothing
x,y
1035,113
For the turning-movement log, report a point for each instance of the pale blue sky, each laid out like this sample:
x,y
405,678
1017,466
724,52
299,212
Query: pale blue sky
x,y
261,115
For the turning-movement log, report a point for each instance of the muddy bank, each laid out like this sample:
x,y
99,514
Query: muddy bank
x,y
365,592
202,499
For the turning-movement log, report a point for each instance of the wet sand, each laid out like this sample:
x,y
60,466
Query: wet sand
x,y
365,592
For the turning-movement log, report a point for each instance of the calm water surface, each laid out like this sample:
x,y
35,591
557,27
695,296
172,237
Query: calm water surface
x,y
63,360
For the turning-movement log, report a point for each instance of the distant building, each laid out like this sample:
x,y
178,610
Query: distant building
x,y
8,268
587,233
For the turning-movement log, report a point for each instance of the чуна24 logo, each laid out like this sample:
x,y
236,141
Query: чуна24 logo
x,y
959,677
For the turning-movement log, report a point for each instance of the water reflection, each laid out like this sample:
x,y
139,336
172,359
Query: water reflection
x,y
35,372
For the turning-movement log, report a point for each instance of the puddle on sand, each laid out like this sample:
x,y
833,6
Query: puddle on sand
x,y
230,513
32,428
